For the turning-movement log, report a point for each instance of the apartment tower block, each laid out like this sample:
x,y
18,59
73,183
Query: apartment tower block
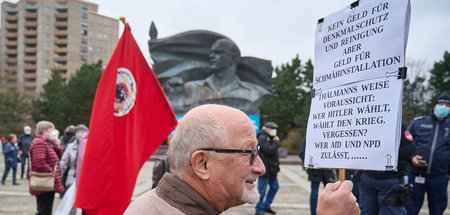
x,y
37,36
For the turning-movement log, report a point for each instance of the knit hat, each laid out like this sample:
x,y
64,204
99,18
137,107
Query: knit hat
x,y
81,127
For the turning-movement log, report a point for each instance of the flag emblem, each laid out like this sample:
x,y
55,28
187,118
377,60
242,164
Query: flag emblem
x,y
125,92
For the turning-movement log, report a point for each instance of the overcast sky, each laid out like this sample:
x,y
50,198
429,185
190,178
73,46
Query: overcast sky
x,y
273,30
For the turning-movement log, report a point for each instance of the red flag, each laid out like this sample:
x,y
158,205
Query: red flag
x,y
131,117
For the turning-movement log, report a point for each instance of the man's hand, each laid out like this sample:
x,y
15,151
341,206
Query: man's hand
x,y
415,161
276,138
337,198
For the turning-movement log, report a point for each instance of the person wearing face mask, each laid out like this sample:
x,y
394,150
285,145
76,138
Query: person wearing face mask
x,y
68,161
429,171
45,153
25,140
268,142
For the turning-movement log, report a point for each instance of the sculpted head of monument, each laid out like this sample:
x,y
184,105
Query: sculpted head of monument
x,y
224,54
203,67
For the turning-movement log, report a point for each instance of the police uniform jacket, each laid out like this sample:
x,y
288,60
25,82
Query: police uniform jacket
x,y
432,139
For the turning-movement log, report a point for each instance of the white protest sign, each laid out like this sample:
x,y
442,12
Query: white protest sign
x,y
361,43
354,126
355,115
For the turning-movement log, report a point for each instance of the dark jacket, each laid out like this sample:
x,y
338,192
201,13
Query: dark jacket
x,y
406,152
432,140
268,152
160,167
11,152
43,157
25,143
317,175
66,139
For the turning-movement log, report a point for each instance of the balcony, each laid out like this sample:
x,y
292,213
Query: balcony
x,y
12,18
29,75
11,60
29,84
11,85
62,15
30,24
61,41
30,50
60,59
11,69
29,67
11,51
11,77
30,33
11,35
11,26
30,91
62,67
61,33
61,50
29,58
30,15
30,41
63,75
61,24
11,43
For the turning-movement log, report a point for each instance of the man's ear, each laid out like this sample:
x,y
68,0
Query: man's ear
x,y
199,162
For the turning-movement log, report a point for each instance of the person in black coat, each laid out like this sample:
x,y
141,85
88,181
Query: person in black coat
x,y
268,143
316,176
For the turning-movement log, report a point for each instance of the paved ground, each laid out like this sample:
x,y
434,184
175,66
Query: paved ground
x,y
292,198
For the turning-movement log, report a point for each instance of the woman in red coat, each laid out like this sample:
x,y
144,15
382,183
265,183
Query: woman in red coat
x,y
45,153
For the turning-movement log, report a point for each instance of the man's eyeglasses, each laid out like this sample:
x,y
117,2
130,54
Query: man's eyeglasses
x,y
253,152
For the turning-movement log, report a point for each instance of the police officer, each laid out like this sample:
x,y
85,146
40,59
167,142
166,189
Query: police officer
x,y
431,160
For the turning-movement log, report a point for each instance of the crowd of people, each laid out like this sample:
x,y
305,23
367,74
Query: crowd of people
x,y
217,161
46,152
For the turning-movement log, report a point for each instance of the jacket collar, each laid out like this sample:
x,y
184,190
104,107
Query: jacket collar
x,y
182,196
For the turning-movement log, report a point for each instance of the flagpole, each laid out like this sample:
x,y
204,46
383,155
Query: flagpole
x,y
341,175
122,18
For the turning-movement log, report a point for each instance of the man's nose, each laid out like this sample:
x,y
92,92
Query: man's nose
x,y
258,166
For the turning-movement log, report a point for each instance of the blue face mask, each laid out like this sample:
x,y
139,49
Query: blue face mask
x,y
441,111
27,132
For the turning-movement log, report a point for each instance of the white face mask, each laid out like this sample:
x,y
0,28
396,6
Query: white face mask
x,y
79,135
273,132
54,135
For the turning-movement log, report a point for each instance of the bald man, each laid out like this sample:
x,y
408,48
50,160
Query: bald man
x,y
214,165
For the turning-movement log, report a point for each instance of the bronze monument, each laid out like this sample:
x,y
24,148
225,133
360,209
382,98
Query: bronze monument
x,y
200,67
